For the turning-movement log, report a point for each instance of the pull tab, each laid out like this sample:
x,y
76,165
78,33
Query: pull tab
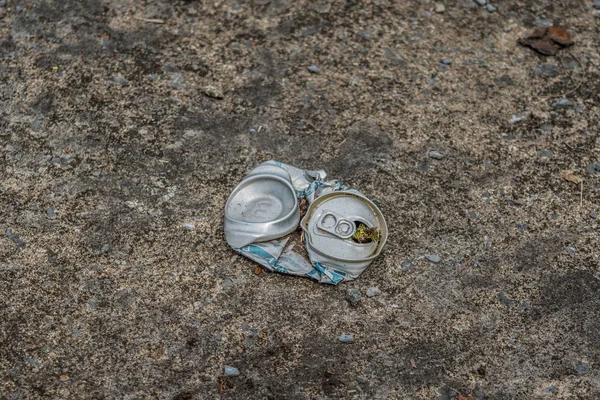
x,y
336,225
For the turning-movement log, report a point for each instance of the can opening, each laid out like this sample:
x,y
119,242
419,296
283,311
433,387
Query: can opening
x,y
364,234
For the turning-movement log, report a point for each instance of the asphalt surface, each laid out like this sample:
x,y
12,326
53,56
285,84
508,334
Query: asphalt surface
x,y
116,280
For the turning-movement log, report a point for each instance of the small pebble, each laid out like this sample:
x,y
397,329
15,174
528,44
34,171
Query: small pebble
x,y
231,371
50,212
446,61
593,168
314,69
373,291
34,362
571,251
481,2
367,34
15,239
176,82
563,104
436,154
593,215
346,338
504,300
214,92
426,14
434,258
2,3
543,22
440,8
252,131
188,226
116,79
547,69
596,5
490,8
362,380
545,153
550,389
407,265
353,296
582,368
516,119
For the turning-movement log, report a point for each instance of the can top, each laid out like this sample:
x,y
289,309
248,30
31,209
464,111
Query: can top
x,y
336,223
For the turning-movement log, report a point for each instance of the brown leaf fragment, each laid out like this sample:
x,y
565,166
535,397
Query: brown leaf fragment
x,y
257,270
559,34
545,47
461,397
547,41
569,176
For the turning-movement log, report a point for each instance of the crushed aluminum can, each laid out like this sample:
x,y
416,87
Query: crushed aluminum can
x,y
262,213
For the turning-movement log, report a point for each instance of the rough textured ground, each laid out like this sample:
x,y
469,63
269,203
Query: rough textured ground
x,y
109,147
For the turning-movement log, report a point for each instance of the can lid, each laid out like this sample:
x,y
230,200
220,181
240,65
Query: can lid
x,y
345,226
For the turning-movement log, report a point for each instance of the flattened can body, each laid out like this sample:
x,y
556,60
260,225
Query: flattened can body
x,y
262,207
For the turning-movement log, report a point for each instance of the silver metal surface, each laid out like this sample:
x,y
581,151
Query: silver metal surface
x,y
262,207
330,223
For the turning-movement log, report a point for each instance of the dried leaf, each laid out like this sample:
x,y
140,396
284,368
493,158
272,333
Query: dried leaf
x,y
63,378
559,35
461,397
257,270
545,47
569,176
547,41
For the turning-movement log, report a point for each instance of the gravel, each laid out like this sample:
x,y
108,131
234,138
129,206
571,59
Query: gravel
x,y
353,296
481,2
346,338
446,61
582,368
545,153
490,8
543,22
516,119
436,154
563,104
440,8
231,371
50,212
596,5
214,92
504,300
373,291
434,258
15,239
407,265
314,69
117,80
547,69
